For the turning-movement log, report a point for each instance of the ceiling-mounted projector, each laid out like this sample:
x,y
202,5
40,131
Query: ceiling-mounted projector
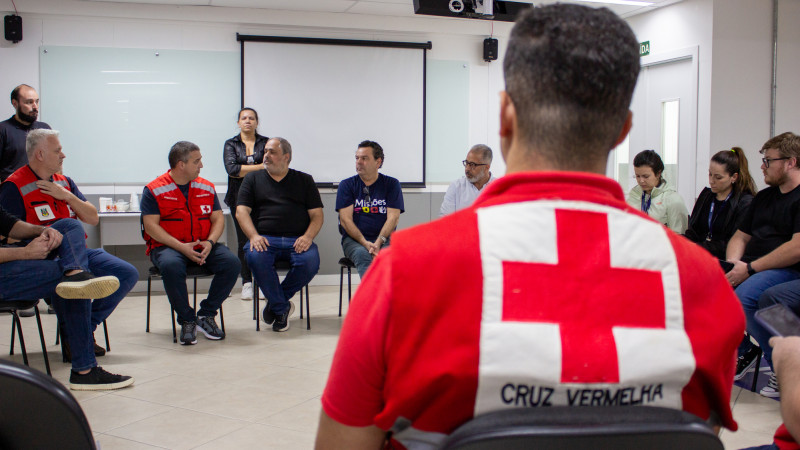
x,y
472,9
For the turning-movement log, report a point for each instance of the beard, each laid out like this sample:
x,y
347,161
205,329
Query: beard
x,y
28,118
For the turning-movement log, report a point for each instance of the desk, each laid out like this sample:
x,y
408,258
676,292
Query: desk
x,y
122,228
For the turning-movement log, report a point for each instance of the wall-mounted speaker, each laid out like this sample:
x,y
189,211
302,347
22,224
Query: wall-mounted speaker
x,y
490,49
13,28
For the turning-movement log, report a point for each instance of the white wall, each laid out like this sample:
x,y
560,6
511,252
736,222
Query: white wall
x,y
788,99
97,24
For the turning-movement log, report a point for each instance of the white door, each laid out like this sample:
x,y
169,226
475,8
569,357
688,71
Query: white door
x,y
665,120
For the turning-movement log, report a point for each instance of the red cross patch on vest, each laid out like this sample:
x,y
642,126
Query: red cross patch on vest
x,y
590,296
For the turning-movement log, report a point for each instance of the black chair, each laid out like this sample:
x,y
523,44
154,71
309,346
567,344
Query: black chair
x,y
13,307
757,368
281,266
192,271
573,428
30,399
349,265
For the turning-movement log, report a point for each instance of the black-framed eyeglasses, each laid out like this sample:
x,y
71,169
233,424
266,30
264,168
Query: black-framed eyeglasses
x,y
366,196
471,165
766,161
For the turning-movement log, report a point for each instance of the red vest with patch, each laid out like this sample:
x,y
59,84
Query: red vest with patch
x,y
40,208
186,221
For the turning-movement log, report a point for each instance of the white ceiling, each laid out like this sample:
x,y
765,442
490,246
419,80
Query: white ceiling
x,y
376,7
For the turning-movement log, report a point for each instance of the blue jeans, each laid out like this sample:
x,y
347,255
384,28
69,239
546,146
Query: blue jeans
x,y
358,254
749,293
785,293
220,261
304,266
32,279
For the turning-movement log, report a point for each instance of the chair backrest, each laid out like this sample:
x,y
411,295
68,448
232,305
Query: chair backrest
x,y
567,428
36,411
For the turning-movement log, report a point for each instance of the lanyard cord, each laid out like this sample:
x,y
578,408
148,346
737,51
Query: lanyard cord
x,y
646,206
711,218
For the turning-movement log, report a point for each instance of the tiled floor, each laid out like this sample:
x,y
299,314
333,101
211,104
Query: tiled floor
x,y
252,390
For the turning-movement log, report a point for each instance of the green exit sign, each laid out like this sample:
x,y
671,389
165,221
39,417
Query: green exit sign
x,y
644,48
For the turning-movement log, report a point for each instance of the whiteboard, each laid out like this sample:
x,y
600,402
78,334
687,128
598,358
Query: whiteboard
x,y
120,110
325,99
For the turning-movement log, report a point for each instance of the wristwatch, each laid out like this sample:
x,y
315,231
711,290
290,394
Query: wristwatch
x,y
750,270
212,243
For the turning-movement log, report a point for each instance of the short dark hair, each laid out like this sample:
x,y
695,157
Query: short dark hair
x,y
239,116
570,71
377,150
15,91
180,152
483,151
650,159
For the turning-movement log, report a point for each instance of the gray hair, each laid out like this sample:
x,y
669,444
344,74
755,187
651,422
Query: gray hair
x,y
285,146
483,151
35,139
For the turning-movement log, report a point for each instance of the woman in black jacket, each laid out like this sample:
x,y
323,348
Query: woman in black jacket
x,y
719,209
243,154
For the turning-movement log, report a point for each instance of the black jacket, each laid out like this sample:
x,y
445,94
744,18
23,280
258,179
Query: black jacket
x,y
235,156
731,218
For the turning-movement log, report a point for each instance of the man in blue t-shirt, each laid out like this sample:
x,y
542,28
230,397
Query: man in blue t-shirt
x,y
369,206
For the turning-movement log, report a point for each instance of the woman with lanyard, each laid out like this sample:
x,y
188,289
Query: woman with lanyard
x,y
719,208
243,154
653,196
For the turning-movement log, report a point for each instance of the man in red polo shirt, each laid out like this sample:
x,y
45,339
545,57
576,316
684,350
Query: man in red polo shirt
x,y
549,290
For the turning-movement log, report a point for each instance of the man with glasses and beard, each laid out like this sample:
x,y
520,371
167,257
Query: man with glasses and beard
x,y
465,190
369,205
14,130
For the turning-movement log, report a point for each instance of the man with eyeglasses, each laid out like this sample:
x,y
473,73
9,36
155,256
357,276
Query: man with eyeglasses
x,y
477,175
369,205
765,249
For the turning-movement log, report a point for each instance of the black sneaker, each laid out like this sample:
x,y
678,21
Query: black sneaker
x,y
282,320
67,351
208,326
99,351
746,362
189,333
268,316
30,312
98,380
84,285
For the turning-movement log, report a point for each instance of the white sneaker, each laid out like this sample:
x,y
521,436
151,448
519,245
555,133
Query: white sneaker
x,y
247,291
771,390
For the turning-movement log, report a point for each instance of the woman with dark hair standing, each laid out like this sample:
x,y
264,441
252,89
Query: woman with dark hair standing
x,y
720,208
653,196
243,154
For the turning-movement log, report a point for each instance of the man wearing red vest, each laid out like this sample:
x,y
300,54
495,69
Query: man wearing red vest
x,y
548,290
182,222
37,193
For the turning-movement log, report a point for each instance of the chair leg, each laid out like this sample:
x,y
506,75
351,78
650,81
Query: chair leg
x,y
308,310
349,294
44,346
149,282
174,332
105,332
256,308
757,370
195,295
341,288
13,330
21,338
222,318
64,341
58,332
301,303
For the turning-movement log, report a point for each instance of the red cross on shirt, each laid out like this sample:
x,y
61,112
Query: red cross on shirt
x,y
585,296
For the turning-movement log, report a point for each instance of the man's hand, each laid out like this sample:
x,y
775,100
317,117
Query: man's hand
x,y
302,244
206,250
37,248
56,191
52,237
738,274
187,250
259,243
374,247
